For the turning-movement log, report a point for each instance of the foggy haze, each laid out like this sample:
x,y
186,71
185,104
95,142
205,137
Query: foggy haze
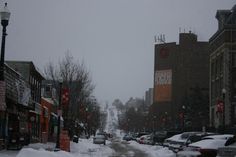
x,y
115,38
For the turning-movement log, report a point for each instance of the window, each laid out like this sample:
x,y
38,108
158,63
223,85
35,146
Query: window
x,y
234,60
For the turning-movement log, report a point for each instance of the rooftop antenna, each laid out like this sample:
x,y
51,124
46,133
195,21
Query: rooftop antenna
x,y
155,39
161,38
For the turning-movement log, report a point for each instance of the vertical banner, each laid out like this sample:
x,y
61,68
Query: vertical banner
x,y
2,96
65,96
163,85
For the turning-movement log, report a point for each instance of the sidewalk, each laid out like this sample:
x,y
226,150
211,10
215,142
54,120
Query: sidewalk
x,y
85,148
36,146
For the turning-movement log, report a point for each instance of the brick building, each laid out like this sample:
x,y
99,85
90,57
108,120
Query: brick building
x,y
178,70
33,77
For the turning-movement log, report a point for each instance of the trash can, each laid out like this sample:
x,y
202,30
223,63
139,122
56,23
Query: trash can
x,y
75,139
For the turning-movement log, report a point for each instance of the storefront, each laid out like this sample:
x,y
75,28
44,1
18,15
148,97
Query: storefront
x,y
52,127
17,133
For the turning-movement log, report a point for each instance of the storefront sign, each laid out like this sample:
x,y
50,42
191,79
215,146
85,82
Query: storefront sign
x,y
163,85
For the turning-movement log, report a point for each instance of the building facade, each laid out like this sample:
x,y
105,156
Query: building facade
x,y
223,70
34,78
179,70
14,119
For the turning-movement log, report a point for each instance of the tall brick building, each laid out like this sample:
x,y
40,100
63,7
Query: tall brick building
x,y
178,70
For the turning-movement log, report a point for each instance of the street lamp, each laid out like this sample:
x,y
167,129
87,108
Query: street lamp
x,y
5,15
59,114
223,99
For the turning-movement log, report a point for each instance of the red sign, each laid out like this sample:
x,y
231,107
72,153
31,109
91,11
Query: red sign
x,y
2,96
65,96
220,106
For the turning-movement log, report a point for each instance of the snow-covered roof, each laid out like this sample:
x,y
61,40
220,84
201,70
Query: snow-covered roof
x,y
49,100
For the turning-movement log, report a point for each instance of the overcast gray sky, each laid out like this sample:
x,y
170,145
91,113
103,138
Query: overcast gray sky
x,y
115,38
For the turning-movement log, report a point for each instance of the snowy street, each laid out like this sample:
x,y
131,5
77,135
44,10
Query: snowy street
x,y
86,148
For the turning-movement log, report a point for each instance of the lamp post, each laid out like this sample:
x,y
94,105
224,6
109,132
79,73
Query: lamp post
x,y
183,107
59,114
5,15
154,123
223,112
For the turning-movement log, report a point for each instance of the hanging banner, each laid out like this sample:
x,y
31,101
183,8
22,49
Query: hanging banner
x,y
2,96
65,96
163,85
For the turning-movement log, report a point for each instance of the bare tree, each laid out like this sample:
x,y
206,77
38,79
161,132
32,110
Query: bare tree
x,y
77,79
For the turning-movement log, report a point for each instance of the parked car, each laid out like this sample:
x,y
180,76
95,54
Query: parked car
x,y
198,137
127,137
160,136
229,150
177,142
99,139
145,139
207,147
104,134
75,139
138,135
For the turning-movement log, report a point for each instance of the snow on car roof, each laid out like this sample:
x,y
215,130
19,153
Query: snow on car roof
x,y
224,136
181,137
209,143
176,138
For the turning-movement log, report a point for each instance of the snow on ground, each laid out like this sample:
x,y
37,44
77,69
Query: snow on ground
x,y
85,148
153,151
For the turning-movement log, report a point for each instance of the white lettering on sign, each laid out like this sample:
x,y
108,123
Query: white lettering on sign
x,y
163,77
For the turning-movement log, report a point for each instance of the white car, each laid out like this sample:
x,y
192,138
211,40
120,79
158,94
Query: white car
x,y
99,139
177,142
206,147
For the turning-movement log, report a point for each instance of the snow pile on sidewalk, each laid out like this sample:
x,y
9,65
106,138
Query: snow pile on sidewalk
x,y
85,148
